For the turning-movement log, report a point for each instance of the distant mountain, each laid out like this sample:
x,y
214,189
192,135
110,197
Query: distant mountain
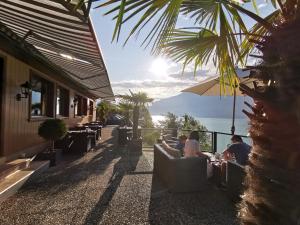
x,y
199,106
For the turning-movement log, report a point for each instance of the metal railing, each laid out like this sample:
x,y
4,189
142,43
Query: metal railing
x,y
210,141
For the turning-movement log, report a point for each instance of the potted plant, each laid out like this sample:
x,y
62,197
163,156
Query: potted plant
x,y
137,100
52,130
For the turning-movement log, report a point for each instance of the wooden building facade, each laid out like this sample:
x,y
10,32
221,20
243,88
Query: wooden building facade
x,y
64,76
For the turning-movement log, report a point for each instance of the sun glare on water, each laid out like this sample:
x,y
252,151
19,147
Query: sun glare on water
x,y
159,67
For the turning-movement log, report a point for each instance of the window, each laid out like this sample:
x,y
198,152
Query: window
x,y
91,108
62,102
41,97
84,106
78,105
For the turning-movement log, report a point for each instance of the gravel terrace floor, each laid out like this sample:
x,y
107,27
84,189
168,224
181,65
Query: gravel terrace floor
x,y
108,186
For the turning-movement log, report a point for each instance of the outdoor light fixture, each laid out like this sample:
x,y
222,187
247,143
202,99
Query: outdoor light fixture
x,y
75,101
25,90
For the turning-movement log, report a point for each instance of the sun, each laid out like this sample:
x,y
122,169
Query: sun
x,y
159,67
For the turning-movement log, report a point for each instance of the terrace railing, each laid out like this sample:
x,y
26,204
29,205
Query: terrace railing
x,y
210,141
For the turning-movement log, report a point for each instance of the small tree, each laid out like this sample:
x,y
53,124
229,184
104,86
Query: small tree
x,y
104,108
139,99
52,130
125,109
171,122
190,123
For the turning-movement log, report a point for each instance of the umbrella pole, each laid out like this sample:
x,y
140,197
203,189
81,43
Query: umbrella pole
x,y
233,113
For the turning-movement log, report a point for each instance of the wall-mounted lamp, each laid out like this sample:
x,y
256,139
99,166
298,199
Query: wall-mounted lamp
x,y
75,101
25,90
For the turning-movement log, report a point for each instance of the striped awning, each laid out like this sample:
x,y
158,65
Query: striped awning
x,y
64,36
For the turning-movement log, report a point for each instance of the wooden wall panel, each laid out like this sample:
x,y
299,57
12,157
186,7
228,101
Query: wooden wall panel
x,y
19,133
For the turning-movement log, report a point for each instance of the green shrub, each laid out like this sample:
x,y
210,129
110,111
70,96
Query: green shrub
x,y
52,129
150,138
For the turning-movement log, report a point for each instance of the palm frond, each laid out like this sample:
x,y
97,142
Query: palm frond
x,y
139,98
257,32
200,48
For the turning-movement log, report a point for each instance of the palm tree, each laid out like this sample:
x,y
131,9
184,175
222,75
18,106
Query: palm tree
x,y
139,99
104,108
125,109
219,34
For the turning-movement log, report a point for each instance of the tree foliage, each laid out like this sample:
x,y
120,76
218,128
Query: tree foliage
x,y
138,101
52,129
217,31
104,109
171,121
185,125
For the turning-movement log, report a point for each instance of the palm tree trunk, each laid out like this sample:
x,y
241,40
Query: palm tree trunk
x,y
136,112
272,195
273,176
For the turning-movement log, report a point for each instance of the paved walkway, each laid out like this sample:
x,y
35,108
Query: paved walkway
x,y
109,187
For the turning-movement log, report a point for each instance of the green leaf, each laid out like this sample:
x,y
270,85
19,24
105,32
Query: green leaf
x,y
119,20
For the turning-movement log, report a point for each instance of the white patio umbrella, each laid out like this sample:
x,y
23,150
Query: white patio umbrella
x,y
212,87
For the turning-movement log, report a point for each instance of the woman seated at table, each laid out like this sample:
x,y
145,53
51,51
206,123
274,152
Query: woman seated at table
x,y
192,146
192,149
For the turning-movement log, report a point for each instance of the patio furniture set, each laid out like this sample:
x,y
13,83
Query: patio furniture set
x,y
125,135
80,139
181,174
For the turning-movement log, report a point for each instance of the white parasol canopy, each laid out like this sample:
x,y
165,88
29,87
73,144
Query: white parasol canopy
x,y
212,87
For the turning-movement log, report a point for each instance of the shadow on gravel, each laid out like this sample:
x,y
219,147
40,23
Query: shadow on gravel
x,y
96,214
209,207
75,169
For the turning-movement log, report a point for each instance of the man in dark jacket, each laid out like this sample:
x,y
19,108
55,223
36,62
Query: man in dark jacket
x,y
238,149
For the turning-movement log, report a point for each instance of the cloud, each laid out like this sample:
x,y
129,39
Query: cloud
x,y
156,89
171,83
160,88
190,75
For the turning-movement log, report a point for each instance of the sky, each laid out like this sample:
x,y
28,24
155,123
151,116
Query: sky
x,y
133,67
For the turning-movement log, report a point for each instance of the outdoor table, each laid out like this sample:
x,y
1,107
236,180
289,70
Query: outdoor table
x,y
83,140
64,143
96,128
126,133
78,128
96,123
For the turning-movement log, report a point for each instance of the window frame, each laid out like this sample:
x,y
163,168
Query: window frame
x,y
91,107
50,99
66,113
76,107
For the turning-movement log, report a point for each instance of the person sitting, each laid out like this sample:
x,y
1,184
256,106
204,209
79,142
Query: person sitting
x,y
181,143
171,151
192,146
192,149
239,149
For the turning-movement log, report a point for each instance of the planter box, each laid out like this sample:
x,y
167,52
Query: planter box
x,y
135,146
55,156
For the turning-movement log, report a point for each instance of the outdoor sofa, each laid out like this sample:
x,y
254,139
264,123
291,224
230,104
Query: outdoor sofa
x,y
177,173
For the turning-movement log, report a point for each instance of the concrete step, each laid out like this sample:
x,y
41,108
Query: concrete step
x,y
11,167
12,183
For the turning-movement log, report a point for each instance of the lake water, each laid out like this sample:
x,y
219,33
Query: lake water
x,y
219,125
